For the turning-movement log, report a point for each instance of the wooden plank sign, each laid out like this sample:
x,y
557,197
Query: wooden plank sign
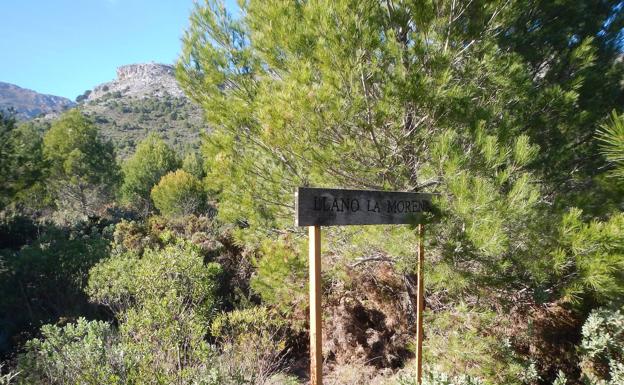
x,y
316,207
337,207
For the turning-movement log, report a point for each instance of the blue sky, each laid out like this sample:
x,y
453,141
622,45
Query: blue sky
x,y
64,47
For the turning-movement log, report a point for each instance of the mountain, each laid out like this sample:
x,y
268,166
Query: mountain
x,y
29,104
143,98
150,79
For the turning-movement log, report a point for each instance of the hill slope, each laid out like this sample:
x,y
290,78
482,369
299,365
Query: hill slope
x,y
143,98
29,104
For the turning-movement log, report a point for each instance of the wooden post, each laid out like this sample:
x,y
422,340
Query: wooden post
x,y
316,331
420,304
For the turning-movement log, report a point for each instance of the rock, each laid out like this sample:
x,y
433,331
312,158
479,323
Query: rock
x,y
139,80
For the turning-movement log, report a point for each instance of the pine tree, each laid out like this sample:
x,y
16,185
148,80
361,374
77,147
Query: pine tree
x,y
83,172
612,138
193,163
456,98
152,159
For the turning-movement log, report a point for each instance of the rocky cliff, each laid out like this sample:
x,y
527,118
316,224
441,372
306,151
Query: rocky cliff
x,y
148,79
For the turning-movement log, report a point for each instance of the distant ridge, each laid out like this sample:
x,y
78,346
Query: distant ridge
x,y
29,104
144,98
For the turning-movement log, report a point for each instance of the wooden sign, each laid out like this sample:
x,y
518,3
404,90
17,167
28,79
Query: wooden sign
x,y
316,207
336,207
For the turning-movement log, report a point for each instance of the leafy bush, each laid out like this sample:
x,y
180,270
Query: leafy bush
x,y
178,194
437,378
281,277
602,347
83,96
131,280
164,300
194,164
612,138
44,279
252,344
467,341
590,258
81,353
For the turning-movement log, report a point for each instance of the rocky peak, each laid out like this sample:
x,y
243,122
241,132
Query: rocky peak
x,y
147,72
140,80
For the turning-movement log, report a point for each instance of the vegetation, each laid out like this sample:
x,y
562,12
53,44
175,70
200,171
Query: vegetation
x,y
127,120
183,266
82,168
603,346
151,161
21,163
193,164
612,138
178,193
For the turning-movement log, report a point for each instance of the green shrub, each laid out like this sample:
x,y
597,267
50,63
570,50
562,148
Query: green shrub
x,y
437,378
82,353
164,300
590,258
194,164
45,278
178,193
138,280
281,277
612,138
602,347
467,340
252,344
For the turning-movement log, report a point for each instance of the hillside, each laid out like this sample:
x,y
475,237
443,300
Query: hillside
x,y
29,104
143,98
491,137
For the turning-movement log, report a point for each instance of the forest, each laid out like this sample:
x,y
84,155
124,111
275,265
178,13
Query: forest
x,y
186,267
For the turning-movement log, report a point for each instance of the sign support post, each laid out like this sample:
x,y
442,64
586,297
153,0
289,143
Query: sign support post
x,y
316,207
420,304
316,331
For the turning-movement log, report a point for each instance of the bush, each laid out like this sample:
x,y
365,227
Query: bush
x,y
139,280
437,378
470,341
164,300
589,259
194,165
602,347
81,353
178,193
281,277
253,344
44,279
83,96
7,378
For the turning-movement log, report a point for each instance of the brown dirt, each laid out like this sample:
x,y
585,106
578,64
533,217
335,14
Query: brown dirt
x,y
549,334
